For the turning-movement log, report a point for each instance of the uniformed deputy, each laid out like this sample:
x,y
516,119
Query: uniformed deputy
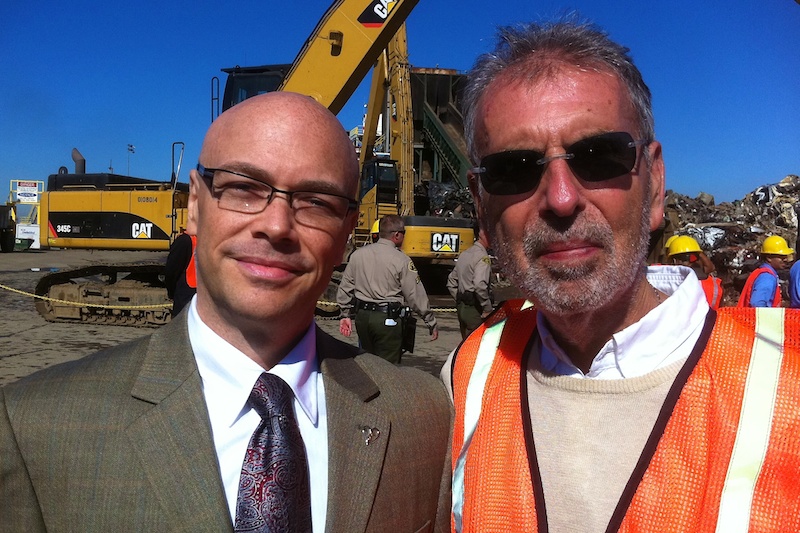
x,y
378,280
470,285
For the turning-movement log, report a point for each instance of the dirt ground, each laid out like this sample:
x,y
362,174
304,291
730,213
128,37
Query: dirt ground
x,y
29,343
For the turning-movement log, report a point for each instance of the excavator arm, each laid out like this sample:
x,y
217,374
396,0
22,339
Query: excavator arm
x,y
334,59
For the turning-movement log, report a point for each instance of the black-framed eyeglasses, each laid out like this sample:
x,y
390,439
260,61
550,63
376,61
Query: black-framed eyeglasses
x,y
243,194
596,158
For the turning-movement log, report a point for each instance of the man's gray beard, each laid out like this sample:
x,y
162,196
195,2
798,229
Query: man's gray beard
x,y
592,285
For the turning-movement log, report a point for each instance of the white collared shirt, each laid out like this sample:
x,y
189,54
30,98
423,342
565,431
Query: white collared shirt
x,y
228,376
666,334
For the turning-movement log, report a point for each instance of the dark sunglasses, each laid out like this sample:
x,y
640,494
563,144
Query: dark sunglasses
x,y
597,158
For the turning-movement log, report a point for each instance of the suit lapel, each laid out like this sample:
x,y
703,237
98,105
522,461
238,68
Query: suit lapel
x,y
173,439
358,434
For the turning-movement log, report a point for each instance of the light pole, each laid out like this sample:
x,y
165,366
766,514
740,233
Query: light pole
x,y
131,150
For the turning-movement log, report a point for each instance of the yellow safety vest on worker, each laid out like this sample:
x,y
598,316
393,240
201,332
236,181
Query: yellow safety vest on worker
x,y
724,455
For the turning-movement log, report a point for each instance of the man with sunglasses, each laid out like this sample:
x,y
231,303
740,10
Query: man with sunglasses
x,y
378,282
166,433
613,398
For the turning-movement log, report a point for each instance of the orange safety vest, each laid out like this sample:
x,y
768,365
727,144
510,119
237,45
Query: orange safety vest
x,y
712,286
191,273
747,291
724,454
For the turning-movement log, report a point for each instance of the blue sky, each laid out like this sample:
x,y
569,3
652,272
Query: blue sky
x,y
725,76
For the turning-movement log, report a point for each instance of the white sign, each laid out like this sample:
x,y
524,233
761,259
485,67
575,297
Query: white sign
x,y
29,231
27,192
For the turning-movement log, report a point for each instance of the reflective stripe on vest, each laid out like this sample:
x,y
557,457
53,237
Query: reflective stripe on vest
x,y
724,455
490,340
494,337
712,287
755,421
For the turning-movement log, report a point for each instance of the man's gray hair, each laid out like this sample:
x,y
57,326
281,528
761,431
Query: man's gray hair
x,y
533,51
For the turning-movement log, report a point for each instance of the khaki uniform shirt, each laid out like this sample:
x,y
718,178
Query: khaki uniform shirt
x,y
473,273
381,273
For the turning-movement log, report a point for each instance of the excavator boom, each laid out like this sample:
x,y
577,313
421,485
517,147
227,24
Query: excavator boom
x,y
344,45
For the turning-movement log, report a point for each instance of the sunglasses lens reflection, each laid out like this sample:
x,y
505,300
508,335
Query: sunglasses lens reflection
x,y
603,157
597,158
513,172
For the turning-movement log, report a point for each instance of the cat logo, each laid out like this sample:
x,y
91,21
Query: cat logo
x,y
142,230
444,242
376,14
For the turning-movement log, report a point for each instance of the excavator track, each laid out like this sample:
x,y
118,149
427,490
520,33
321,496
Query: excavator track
x,y
121,295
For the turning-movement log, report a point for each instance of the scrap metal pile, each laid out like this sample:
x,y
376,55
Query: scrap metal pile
x,y
731,233
449,200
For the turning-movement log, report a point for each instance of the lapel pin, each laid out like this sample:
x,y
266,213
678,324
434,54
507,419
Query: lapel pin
x,y
369,434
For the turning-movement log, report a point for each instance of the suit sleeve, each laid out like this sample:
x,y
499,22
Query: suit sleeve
x,y
444,512
19,507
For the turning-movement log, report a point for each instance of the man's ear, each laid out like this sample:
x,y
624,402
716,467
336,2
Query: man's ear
x,y
195,182
475,191
657,185
351,220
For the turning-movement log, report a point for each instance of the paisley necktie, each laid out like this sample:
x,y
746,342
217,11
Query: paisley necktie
x,y
274,493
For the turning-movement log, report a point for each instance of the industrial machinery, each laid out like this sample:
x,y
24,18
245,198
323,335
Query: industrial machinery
x,y
330,66
388,184
110,211
334,59
119,212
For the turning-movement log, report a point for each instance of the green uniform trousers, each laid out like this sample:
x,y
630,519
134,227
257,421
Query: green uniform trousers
x,y
469,318
378,338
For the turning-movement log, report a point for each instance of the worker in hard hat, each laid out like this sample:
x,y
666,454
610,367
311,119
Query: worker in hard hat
x,y
794,285
669,241
762,288
684,250
375,231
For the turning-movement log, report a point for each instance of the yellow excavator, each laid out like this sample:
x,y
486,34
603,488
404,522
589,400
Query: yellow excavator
x,y
329,68
111,211
388,183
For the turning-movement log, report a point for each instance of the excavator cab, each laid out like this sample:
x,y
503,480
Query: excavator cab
x,y
382,174
245,82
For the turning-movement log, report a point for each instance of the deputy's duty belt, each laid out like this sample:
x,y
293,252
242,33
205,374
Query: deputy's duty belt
x,y
371,306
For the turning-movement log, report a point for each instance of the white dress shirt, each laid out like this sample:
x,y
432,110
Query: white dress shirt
x,y
228,376
666,334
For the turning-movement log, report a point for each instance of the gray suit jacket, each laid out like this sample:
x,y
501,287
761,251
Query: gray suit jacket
x,y
121,441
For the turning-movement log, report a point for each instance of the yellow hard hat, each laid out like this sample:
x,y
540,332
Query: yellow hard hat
x,y
776,245
376,226
669,241
683,245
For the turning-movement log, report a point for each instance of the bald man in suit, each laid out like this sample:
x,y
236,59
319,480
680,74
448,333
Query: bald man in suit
x,y
151,435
